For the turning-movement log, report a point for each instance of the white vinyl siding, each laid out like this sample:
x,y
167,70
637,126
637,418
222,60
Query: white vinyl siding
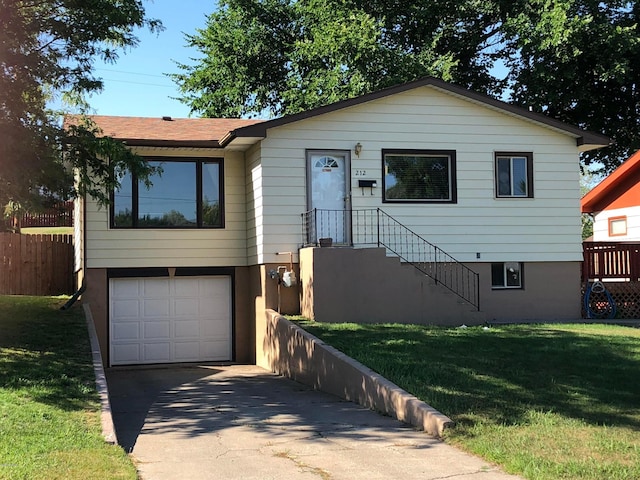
x,y
113,248
544,228
601,225
254,206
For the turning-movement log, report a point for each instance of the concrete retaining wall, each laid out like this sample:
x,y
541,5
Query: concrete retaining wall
x,y
290,351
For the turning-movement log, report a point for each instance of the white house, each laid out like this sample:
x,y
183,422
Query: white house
x,y
185,270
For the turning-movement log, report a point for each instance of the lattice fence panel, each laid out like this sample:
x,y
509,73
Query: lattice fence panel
x,y
626,296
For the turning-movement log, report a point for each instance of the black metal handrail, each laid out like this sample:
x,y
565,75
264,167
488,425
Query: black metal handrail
x,y
375,227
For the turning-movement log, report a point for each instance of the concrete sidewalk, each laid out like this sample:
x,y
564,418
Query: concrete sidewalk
x,y
243,422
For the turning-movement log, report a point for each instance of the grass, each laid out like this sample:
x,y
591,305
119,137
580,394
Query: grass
x,y
543,401
47,230
49,410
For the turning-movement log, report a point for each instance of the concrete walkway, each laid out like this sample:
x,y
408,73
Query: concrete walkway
x,y
243,422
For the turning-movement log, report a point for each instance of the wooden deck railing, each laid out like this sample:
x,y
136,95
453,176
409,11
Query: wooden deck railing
x,y
611,260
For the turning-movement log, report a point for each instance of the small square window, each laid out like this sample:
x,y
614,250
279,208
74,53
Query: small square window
x,y
506,275
617,226
514,175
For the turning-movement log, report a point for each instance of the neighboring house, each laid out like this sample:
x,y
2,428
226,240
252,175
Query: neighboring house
x,y
184,271
615,204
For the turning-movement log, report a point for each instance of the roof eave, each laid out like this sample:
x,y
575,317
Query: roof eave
x,y
585,139
145,142
593,199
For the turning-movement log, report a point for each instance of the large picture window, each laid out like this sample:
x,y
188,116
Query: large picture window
x,y
188,194
414,176
514,175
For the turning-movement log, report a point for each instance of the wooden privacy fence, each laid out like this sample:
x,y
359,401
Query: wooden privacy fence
x,y
36,264
60,215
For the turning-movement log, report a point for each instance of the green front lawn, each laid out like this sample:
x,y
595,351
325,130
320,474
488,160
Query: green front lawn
x,y
49,409
543,401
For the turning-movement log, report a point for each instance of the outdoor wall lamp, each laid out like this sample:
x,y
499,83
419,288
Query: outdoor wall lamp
x,y
357,149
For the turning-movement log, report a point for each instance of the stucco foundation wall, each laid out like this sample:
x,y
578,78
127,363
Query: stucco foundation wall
x,y
96,298
265,295
551,292
365,286
288,350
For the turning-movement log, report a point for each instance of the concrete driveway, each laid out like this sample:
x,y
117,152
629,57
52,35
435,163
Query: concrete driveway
x,y
243,422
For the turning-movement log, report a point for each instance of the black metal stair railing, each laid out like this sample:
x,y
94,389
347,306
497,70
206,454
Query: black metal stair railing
x,y
375,227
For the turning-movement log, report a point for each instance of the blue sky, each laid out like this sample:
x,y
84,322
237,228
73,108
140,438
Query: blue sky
x,y
136,85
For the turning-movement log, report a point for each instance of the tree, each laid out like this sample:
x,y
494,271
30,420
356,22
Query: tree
x,y
579,61
588,180
283,56
47,49
576,60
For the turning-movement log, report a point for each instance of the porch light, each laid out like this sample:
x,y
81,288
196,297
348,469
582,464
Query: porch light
x,y
357,149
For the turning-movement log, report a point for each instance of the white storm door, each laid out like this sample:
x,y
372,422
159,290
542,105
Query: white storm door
x,y
328,189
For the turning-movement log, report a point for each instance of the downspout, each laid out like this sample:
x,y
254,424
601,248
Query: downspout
x,y
83,287
75,296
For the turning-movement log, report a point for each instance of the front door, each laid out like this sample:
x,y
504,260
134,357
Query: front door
x,y
328,195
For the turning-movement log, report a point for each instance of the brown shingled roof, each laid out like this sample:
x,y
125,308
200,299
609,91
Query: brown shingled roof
x,y
196,132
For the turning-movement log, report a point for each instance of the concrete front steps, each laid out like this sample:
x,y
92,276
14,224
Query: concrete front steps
x,y
367,286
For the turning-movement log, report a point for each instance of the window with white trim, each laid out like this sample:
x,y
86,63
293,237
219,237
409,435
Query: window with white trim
x,y
506,275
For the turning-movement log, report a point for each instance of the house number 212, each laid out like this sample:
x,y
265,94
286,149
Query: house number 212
x,y
361,173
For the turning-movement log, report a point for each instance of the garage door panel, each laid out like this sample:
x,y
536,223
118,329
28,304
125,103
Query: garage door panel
x,y
187,328
187,351
164,320
213,349
157,329
157,288
126,308
215,329
188,287
186,307
126,288
156,307
157,352
127,353
126,331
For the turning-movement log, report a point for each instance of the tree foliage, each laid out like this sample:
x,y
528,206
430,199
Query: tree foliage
x,y
576,60
47,50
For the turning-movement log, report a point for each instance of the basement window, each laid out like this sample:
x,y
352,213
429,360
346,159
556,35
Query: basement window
x,y
506,275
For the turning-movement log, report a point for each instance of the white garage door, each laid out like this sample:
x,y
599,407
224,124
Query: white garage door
x,y
168,320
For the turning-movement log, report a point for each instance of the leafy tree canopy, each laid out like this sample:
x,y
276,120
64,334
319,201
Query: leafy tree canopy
x,y
576,60
47,50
